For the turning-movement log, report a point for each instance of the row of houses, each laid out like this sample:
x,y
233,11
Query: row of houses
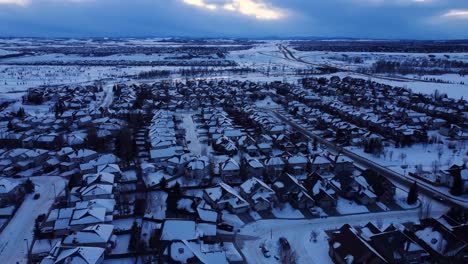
x,y
440,240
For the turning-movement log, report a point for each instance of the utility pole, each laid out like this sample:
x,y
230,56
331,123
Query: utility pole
x,y
27,249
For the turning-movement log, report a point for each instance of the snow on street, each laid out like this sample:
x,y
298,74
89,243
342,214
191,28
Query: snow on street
x,y
298,233
191,135
21,226
108,96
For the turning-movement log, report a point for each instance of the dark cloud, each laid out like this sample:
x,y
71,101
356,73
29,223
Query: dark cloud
x,y
142,18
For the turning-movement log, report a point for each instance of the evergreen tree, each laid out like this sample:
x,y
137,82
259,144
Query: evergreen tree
x,y
29,186
163,183
457,186
176,189
153,243
20,113
124,145
412,194
134,237
92,140
140,207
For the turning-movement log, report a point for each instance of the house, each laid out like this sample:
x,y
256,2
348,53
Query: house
x,y
297,164
223,197
440,242
254,167
365,195
396,247
320,165
381,186
82,156
159,155
289,189
82,218
100,235
99,178
208,215
94,191
346,246
177,230
258,194
230,171
274,167
88,255
11,191
343,165
320,191
192,252
197,168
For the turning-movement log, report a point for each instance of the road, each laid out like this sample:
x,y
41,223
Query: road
x,y
108,96
289,55
21,226
424,188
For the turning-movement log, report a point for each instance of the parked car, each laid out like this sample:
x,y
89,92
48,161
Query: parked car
x,y
225,227
41,218
265,251
36,196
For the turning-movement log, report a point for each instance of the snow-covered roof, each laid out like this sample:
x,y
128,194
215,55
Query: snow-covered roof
x,y
178,230
100,233
81,255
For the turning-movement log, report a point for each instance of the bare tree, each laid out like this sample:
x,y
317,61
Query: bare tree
x,y
425,209
402,156
288,256
440,151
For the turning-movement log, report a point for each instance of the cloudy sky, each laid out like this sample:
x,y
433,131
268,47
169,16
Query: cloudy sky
x,y
418,19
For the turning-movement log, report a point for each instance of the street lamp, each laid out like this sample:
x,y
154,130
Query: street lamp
x,y
27,248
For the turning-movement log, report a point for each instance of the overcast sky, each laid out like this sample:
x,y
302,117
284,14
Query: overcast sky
x,y
413,19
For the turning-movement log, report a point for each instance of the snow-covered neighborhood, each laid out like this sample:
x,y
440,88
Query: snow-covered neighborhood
x,y
232,151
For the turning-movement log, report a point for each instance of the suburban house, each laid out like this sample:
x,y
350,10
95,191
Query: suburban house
x,y
225,197
258,194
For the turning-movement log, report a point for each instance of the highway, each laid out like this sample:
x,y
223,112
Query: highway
x,y
424,188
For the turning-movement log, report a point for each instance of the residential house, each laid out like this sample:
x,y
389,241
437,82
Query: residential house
x,y
258,194
223,197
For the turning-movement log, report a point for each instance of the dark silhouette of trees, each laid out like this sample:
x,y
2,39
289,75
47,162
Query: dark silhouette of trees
x,y
412,194
124,145
457,186
29,186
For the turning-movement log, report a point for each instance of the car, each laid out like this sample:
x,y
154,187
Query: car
x,y
284,243
41,218
265,251
36,196
225,227
314,212
439,198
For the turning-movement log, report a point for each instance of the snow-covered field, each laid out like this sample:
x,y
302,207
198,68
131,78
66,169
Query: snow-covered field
x,y
267,58
417,154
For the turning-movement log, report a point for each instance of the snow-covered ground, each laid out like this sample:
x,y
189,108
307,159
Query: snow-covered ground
x,y
20,229
405,160
344,206
191,135
299,234
287,211
417,154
